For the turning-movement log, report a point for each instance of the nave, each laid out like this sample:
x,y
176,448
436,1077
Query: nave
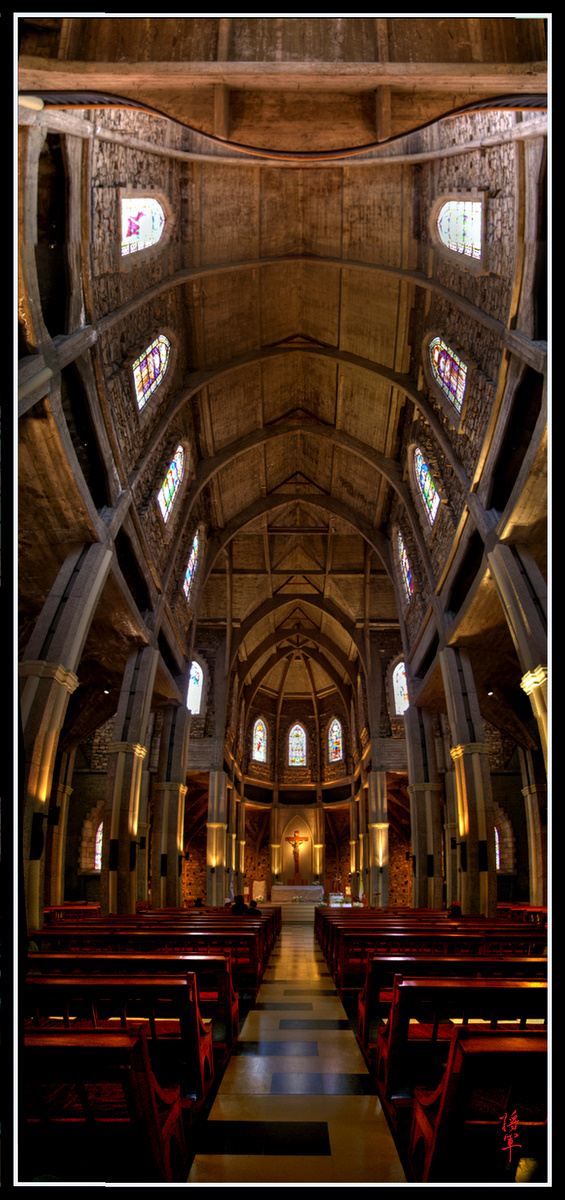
x,y
296,1103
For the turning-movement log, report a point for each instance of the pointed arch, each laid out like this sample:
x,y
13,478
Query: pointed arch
x,y
400,689
425,486
170,487
460,226
142,223
335,741
149,369
98,847
192,565
259,741
297,746
405,570
195,684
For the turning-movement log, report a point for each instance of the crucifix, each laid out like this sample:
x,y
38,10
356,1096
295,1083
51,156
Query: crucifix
x,y
296,842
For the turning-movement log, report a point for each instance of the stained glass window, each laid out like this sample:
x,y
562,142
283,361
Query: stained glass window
x,y
297,747
143,222
260,741
149,369
400,689
192,565
405,567
171,484
459,226
497,848
98,847
194,696
426,486
449,371
335,741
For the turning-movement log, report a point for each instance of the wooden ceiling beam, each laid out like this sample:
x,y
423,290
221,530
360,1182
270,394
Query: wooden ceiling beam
x,y
496,79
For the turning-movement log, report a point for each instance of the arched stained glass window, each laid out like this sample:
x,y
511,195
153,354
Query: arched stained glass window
x,y
449,371
194,695
149,369
400,689
335,741
98,847
497,848
459,225
171,484
192,565
260,741
143,222
426,486
297,747
405,567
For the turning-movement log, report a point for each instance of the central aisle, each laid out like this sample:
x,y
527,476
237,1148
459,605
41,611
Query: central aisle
x,y
296,1103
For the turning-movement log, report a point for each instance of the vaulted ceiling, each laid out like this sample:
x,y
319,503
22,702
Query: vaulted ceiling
x,y
305,284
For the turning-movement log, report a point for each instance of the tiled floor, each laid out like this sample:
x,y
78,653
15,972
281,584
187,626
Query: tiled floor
x,y
296,1103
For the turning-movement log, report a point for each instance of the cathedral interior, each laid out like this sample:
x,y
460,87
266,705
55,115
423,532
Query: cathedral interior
x,y
282,475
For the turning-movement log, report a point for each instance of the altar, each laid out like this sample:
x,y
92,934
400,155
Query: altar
x,y
282,894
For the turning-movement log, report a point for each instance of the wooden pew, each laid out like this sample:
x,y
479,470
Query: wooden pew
x,y
240,947
217,1000
92,1110
354,947
373,1005
180,1045
412,1047
67,911
462,1131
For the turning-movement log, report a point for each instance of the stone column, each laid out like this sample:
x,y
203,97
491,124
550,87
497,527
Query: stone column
x,y
143,825
57,831
319,845
169,791
216,827
535,797
362,837
353,845
450,824
48,677
378,840
275,839
476,861
523,594
123,782
425,794
231,853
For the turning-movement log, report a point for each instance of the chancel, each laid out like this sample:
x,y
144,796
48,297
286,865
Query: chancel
x,y
282,583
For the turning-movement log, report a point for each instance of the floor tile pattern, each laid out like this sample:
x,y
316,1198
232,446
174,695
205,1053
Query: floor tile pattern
x,y
296,1103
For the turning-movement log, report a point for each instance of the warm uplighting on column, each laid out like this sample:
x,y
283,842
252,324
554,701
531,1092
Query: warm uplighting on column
x,y
381,830
457,753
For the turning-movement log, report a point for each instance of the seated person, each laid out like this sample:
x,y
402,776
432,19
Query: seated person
x,y
253,908
239,906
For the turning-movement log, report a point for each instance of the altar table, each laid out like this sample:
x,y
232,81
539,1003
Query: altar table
x,y
281,893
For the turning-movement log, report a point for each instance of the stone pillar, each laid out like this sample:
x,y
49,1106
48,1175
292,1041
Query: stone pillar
x,y
118,884
143,825
231,853
362,837
169,791
57,818
476,861
450,825
353,845
425,794
523,595
48,677
319,846
378,840
535,796
216,828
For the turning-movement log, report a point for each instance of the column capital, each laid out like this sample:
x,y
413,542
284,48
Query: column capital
x,y
533,679
128,748
178,788
468,748
42,669
378,825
